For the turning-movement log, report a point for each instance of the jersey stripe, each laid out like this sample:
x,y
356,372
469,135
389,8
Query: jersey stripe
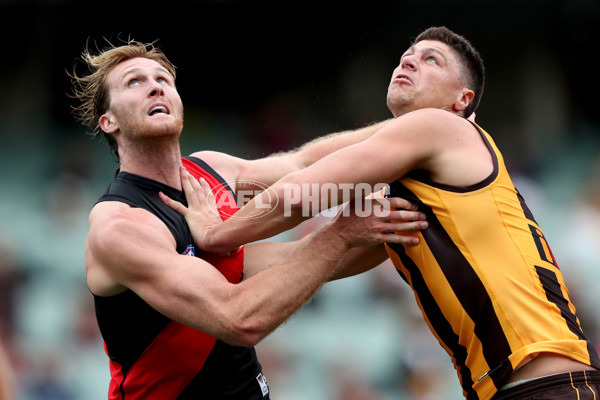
x,y
467,287
554,294
165,367
436,319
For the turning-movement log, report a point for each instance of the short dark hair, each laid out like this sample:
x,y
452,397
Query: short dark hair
x,y
470,57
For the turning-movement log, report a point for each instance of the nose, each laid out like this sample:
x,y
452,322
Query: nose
x,y
409,63
156,89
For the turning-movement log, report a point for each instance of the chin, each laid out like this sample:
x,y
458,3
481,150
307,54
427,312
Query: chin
x,y
397,108
161,128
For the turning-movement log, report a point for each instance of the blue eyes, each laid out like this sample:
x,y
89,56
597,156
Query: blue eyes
x,y
136,82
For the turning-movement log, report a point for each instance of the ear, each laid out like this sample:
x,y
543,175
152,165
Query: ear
x,y
108,124
464,99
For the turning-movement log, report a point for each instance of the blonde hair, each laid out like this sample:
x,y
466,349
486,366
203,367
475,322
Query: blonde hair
x,y
91,89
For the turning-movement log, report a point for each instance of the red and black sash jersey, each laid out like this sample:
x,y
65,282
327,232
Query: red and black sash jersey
x,y
153,357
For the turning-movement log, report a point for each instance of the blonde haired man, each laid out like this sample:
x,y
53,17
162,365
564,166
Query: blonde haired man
x,y
178,322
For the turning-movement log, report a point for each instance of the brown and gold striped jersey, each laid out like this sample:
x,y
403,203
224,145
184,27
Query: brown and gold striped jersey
x,y
486,280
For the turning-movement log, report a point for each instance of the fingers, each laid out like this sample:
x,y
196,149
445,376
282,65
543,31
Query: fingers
x,y
407,240
391,220
205,187
399,202
410,226
405,216
195,191
174,204
402,227
187,183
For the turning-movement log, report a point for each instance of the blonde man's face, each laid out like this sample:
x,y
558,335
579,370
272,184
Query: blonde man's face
x,y
143,100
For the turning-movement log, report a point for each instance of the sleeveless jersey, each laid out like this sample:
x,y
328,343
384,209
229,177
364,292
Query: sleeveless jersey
x,y
153,357
486,280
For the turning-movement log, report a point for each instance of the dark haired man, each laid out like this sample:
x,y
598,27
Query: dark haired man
x,y
482,273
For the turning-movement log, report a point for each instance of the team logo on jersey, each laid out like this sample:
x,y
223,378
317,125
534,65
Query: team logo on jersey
x,y
264,386
189,251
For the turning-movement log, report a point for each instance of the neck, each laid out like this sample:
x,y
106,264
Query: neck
x,y
157,158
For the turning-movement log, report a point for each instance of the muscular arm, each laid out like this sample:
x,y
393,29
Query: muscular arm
x,y
268,170
131,248
404,144
262,255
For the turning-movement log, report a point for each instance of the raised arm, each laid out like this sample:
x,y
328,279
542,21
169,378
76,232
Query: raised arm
x,y
266,171
400,146
446,146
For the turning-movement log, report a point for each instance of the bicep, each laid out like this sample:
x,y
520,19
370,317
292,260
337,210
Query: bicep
x,y
378,160
400,146
141,256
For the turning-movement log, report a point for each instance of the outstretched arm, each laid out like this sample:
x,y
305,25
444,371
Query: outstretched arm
x,y
349,173
262,255
266,171
131,248
202,214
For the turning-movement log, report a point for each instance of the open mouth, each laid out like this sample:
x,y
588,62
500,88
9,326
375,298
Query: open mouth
x,y
158,109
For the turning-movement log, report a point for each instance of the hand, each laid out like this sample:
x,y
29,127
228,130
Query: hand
x,y
377,220
201,213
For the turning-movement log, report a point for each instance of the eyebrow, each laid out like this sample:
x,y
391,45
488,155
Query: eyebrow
x,y
425,50
138,69
436,51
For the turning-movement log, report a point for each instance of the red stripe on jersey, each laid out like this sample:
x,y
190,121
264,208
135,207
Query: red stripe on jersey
x,y
179,352
165,368
231,265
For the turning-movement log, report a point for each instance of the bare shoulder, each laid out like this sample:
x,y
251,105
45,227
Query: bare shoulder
x,y
111,219
460,156
229,167
226,165
255,173
431,131
121,239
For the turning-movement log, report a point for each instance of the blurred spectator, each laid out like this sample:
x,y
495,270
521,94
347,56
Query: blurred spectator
x,y
7,389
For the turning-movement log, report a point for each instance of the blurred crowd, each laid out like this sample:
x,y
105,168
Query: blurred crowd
x,y
361,338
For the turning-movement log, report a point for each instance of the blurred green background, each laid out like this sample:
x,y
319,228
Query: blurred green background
x,y
260,77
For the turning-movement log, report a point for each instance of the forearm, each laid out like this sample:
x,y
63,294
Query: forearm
x,y
265,254
359,260
251,224
268,170
269,297
316,149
